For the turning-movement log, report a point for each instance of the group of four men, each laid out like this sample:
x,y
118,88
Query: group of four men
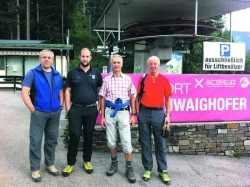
x,y
44,95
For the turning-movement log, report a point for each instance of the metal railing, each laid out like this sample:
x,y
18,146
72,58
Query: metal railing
x,y
10,82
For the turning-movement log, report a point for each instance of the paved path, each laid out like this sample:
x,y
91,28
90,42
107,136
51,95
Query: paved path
x,y
193,171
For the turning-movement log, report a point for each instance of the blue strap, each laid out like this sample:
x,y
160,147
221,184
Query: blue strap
x,y
117,105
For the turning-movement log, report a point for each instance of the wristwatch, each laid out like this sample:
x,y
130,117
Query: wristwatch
x,y
61,107
168,115
134,114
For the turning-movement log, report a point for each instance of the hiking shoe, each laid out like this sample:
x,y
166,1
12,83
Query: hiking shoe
x,y
88,167
36,177
146,175
130,174
52,170
67,170
165,178
112,169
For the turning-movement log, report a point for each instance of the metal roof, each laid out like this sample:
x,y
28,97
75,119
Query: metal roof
x,y
127,21
35,46
136,11
56,48
23,41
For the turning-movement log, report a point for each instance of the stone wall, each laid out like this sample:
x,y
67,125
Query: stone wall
x,y
194,139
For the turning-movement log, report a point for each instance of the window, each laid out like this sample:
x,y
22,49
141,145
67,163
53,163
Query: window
x,y
2,64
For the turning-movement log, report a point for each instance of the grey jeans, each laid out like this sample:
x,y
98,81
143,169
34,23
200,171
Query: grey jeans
x,y
47,123
149,120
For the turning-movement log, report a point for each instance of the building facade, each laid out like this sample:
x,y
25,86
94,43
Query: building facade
x,y
17,57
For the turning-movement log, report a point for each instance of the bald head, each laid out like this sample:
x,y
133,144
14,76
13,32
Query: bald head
x,y
86,49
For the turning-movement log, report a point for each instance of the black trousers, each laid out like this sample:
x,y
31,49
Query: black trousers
x,y
81,119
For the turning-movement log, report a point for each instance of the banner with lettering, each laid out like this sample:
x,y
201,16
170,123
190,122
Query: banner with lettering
x,y
207,98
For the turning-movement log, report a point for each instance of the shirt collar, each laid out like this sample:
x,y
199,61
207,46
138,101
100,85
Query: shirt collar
x,y
121,75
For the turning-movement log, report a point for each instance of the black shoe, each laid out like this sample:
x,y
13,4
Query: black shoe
x,y
113,168
130,174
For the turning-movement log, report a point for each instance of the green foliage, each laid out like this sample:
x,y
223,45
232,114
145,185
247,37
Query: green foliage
x,y
80,36
247,65
193,61
46,24
8,19
226,35
236,154
45,19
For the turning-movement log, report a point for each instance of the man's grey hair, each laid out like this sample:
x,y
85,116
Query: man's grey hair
x,y
46,50
116,55
155,58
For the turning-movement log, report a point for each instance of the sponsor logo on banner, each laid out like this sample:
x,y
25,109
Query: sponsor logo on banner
x,y
215,83
198,83
220,83
244,82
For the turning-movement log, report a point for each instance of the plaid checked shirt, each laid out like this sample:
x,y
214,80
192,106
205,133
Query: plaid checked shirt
x,y
117,87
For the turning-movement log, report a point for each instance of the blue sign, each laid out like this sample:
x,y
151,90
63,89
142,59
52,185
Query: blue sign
x,y
225,50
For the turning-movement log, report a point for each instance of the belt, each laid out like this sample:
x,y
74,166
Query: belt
x,y
152,108
93,104
126,108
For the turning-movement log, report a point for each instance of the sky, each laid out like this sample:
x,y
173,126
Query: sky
x,y
240,20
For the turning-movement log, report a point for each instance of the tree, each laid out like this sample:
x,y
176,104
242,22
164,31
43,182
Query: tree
x,y
247,65
193,61
80,18
8,19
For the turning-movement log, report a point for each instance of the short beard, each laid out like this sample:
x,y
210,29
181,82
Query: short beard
x,y
85,65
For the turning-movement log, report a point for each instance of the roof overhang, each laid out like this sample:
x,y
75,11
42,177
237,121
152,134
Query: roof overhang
x,y
136,11
58,49
146,22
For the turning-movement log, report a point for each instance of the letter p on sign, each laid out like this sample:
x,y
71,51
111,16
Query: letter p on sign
x,y
225,50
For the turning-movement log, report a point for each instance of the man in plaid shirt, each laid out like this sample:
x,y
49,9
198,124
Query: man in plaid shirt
x,y
118,96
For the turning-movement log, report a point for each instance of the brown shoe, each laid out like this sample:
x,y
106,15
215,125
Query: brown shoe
x,y
36,177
